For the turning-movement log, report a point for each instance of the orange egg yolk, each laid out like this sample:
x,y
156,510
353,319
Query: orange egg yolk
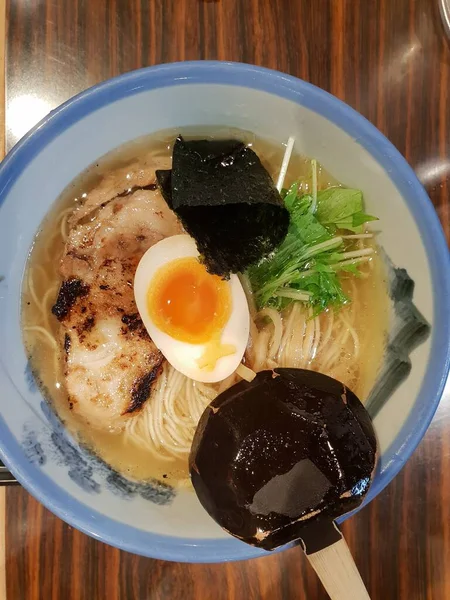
x,y
187,302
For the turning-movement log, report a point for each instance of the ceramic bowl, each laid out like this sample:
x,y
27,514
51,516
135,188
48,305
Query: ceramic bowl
x,y
151,519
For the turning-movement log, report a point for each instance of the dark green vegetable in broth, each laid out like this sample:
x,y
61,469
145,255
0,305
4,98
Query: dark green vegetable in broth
x,y
292,449
341,208
226,201
307,266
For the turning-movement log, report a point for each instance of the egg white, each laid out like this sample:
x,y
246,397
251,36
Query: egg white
x,y
182,355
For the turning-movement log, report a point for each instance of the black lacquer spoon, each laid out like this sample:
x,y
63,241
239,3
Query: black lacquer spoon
x,y
279,459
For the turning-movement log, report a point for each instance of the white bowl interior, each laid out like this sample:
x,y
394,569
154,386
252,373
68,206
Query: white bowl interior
x,y
139,114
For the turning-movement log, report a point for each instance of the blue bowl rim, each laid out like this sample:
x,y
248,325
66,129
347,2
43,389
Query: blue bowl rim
x,y
368,136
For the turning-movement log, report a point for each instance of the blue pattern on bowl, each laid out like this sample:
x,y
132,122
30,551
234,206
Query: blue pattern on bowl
x,y
30,378
83,465
32,448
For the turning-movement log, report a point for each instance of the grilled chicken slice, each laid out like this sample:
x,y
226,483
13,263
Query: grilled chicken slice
x,y
110,361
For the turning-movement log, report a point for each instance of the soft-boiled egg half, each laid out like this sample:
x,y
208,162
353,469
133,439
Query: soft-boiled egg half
x,y
199,321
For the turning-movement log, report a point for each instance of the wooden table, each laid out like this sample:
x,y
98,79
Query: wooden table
x,y
391,61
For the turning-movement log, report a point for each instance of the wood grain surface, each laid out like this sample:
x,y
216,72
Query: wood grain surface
x,y
390,60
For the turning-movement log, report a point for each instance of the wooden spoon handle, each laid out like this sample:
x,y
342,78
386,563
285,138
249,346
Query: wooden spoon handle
x,y
338,573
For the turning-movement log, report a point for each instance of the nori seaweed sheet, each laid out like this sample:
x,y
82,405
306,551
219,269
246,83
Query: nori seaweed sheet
x,y
226,201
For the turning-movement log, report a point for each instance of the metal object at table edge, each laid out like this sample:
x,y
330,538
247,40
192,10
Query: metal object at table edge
x,y
444,7
6,478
